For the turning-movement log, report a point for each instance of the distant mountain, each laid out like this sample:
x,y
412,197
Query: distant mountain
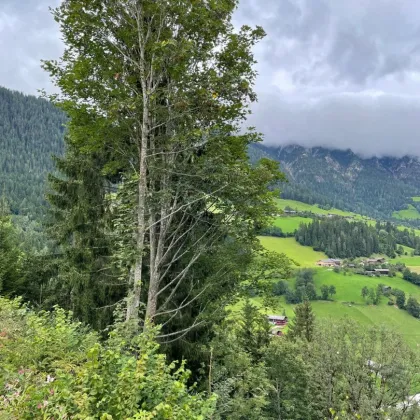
x,y
375,186
31,130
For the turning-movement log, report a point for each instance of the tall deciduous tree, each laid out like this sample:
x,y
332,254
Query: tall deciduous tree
x,y
162,88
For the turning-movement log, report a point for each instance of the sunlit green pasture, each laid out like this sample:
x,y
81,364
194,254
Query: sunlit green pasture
x,y
410,213
348,300
291,223
305,256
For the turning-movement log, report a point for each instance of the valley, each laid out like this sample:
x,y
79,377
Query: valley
x,y
348,301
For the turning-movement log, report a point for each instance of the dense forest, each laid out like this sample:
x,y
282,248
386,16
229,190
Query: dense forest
x,y
31,131
341,238
153,215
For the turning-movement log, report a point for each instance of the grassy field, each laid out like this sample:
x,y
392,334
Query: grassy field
x,y
304,255
314,208
299,206
349,286
410,213
408,261
290,224
416,199
407,249
348,300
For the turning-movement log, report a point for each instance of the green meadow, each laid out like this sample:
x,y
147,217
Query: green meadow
x,y
410,213
291,223
299,206
303,255
348,301
314,208
408,261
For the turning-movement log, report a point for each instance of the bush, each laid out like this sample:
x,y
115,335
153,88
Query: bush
x,y
280,288
53,367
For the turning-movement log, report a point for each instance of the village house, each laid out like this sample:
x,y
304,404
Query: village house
x,y
369,273
330,262
373,261
279,320
382,271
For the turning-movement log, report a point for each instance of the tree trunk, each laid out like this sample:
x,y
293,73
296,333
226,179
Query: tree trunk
x,y
133,302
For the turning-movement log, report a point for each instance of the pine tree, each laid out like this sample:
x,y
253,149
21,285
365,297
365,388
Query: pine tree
x,y
302,325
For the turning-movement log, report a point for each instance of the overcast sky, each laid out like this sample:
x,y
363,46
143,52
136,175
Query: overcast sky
x,y
336,73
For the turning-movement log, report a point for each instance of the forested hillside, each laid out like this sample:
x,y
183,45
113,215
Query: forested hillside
x,y
31,130
375,187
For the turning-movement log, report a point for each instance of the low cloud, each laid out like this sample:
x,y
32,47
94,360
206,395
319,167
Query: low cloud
x,y
340,74
368,123
28,34
334,73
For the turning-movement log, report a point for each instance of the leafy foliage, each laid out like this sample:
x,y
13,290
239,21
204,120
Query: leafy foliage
x,y
53,367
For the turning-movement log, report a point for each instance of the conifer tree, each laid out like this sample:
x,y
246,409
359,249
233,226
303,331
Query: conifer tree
x,y
302,325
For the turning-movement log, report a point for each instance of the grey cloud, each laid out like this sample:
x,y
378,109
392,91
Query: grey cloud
x,y
355,40
28,34
318,66
341,74
369,124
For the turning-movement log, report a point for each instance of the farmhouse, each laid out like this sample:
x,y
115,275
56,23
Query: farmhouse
x,y
372,261
280,320
330,262
369,273
382,271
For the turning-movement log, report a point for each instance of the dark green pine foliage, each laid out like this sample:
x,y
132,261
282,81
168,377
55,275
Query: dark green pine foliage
x,y
340,238
10,256
31,130
87,283
303,324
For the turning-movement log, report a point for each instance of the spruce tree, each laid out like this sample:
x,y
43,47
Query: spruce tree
x,y
302,325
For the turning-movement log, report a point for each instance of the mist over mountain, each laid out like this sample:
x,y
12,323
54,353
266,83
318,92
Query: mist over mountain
x,y
341,178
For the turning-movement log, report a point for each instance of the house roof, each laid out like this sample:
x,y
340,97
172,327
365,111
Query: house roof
x,y
330,260
277,317
375,259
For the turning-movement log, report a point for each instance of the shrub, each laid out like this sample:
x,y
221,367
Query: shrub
x,y
53,367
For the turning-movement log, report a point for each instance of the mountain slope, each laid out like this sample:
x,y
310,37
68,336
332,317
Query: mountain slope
x,y
31,130
376,186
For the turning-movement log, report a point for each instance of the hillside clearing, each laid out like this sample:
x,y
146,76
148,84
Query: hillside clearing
x,y
303,255
348,300
290,224
410,213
